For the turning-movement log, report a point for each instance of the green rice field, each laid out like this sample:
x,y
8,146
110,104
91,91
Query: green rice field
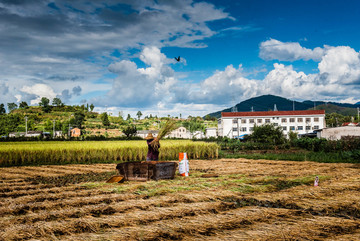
x,y
37,153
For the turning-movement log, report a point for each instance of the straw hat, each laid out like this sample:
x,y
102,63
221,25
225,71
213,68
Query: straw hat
x,y
149,136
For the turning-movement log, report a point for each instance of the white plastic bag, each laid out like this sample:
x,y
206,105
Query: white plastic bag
x,y
183,164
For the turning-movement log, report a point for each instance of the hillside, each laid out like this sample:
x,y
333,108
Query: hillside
x,y
61,118
267,102
331,108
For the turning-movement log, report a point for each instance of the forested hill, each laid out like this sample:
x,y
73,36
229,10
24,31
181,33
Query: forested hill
x,y
268,102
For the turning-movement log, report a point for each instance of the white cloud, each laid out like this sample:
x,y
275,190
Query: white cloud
x,y
341,65
288,51
222,87
285,81
39,90
140,86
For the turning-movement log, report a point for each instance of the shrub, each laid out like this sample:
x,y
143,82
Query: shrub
x,y
268,134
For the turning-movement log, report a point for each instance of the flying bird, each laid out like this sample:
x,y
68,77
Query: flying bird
x,y
177,59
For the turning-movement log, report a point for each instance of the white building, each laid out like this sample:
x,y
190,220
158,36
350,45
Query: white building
x,y
180,132
211,132
144,133
235,124
336,133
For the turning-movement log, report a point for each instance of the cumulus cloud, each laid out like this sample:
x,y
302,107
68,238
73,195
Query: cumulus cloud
x,y
341,65
288,51
222,87
39,90
140,86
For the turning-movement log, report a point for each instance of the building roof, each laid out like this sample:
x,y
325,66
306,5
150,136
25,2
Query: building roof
x,y
273,113
350,124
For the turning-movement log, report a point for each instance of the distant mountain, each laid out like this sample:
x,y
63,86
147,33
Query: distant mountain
x,y
331,108
268,102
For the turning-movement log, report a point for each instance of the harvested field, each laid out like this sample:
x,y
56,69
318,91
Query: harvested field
x,y
245,200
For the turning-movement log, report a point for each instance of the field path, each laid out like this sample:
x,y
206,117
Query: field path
x,y
243,200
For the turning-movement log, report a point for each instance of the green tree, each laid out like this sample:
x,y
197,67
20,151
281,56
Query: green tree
x,y
79,119
31,125
44,103
139,114
128,117
57,102
23,105
12,106
293,136
10,123
267,134
105,119
92,107
2,109
48,125
194,125
129,131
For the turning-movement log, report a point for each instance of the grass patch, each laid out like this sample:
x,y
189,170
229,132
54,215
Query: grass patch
x,y
323,157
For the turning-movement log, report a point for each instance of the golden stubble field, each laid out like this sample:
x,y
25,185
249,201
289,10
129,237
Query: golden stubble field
x,y
248,200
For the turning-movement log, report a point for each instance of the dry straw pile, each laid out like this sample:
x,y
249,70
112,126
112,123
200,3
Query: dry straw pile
x,y
169,126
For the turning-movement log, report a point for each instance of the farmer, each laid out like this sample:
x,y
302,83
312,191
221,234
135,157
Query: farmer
x,y
153,152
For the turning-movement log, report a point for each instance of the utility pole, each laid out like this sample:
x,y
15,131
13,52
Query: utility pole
x,y
53,128
69,127
26,119
293,104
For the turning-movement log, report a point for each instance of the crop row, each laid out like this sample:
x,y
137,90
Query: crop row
x,y
35,153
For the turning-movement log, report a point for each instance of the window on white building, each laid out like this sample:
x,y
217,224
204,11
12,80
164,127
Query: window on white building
x,y
283,120
243,129
308,119
259,120
292,128
316,119
251,121
292,120
300,128
251,128
267,120
316,127
234,129
243,121
235,121
284,128
276,124
308,128
300,119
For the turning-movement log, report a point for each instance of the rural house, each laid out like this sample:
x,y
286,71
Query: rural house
x,y
75,132
180,132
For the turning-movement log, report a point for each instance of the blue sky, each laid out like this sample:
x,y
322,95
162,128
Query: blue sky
x,y
119,55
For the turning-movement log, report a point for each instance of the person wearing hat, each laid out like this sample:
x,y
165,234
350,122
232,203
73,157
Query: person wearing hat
x,y
153,152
